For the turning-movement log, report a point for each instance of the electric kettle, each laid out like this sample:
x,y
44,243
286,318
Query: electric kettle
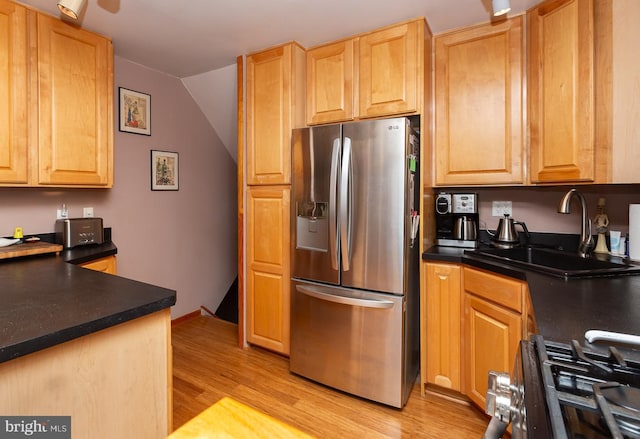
x,y
506,235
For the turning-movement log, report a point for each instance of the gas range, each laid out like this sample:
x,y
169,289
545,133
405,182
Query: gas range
x,y
566,390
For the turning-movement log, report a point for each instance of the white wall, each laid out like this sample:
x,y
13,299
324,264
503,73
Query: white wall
x,y
215,93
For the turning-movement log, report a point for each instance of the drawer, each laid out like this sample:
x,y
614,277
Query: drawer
x,y
105,265
498,289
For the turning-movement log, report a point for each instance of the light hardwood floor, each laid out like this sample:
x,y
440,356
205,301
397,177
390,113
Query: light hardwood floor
x,y
208,365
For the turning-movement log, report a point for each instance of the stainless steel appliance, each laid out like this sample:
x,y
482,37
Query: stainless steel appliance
x,y
72,232
567,390
506,235
355,257
457,220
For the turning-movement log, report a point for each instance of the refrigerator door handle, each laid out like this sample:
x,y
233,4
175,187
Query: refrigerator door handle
x,y
333,204
352,301
345,205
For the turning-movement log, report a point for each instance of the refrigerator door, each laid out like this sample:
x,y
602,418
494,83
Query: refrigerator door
x,y
314,245
372,221
350,340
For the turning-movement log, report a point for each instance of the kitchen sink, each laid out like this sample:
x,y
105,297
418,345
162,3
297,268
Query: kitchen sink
x,y
557,263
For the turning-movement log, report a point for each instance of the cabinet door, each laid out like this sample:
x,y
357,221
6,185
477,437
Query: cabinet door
x,y
492,334
75,105
443,325
268,272
561,91
105,265
330,83
389,63
13,94
275,86
478,97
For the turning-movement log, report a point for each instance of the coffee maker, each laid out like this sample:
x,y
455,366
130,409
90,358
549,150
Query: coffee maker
x,y
457,220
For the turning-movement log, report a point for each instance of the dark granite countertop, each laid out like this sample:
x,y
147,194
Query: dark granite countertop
x,y
47,301
565,309
86,253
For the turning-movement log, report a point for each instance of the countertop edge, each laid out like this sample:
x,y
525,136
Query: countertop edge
x,y
162,298
56,338
80,255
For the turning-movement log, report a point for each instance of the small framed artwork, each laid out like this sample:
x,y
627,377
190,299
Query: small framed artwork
x,y
164,171
135,112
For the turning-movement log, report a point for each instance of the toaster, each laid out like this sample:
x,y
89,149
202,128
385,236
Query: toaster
x,y
72,232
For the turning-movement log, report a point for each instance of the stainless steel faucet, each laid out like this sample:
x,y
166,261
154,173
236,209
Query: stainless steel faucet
x,y
586,240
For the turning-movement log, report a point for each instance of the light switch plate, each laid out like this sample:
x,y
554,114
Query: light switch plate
x,y
87,212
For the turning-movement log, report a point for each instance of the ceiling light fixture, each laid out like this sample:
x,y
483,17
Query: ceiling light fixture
x,y
71,7
500,7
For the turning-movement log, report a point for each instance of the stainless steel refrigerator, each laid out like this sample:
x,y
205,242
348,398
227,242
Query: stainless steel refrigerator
x,y
355,257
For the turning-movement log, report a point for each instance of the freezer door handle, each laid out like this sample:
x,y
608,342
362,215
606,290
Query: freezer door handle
x,y
333,204
345,205
366,303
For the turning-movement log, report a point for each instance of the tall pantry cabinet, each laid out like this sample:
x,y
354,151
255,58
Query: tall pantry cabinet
x,y
56,102
275,93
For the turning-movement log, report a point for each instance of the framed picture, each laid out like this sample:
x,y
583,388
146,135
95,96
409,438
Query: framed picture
x,y
164,171
135,112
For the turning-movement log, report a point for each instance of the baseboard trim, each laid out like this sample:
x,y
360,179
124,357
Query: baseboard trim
x,y
207,310
186,317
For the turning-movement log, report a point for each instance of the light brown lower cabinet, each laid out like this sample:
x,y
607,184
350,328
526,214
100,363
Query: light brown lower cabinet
x,y
440,349
472,322
105,265
492,336
494,312
114,383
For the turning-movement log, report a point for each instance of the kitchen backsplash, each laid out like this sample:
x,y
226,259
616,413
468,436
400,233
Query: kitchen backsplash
x,y
537,206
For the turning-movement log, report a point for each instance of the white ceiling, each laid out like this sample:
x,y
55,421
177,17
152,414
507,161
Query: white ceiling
x,y
189,37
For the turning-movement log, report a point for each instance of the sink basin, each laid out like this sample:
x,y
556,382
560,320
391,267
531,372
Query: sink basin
x,y
558,263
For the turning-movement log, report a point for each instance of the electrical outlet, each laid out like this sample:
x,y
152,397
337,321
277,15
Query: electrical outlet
x,y
62,213
500,208
87,212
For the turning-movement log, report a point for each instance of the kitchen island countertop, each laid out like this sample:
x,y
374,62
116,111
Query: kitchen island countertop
x,y
47,301
565,309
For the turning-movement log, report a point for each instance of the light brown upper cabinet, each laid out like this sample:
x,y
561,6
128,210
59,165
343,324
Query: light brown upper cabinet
x,y
380,73
330,79
13,94
56,104
561,91
390,63
275,105
75,106
478,105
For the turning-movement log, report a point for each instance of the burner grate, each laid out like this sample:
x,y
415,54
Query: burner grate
x,y
589,394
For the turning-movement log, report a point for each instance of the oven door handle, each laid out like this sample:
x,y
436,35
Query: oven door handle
x,y
593,335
